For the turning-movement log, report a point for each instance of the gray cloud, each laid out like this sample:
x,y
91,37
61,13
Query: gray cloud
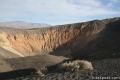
x,y
54,8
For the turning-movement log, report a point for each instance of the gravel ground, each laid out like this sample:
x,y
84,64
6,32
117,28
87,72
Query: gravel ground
x,y
106,69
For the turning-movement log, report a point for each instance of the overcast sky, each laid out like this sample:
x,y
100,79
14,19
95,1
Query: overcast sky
x,y
58,11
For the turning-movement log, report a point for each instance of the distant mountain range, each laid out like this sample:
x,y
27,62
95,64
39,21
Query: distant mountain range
x,y
22,24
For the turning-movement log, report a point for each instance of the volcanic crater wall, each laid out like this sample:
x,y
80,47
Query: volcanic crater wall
x,y
57,40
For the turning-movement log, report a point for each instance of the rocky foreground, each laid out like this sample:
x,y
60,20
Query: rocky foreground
x,y
107,69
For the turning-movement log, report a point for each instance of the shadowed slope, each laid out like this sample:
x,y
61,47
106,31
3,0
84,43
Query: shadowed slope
x,y
4,66
106,45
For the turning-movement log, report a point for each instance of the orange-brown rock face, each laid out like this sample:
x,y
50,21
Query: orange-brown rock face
x,y
63,39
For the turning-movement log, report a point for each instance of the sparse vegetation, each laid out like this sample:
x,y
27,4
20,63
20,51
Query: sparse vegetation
x,y
76,65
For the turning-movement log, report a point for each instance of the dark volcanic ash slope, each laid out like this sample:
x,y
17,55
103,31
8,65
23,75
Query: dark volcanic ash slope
x,y
86,40
105,45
